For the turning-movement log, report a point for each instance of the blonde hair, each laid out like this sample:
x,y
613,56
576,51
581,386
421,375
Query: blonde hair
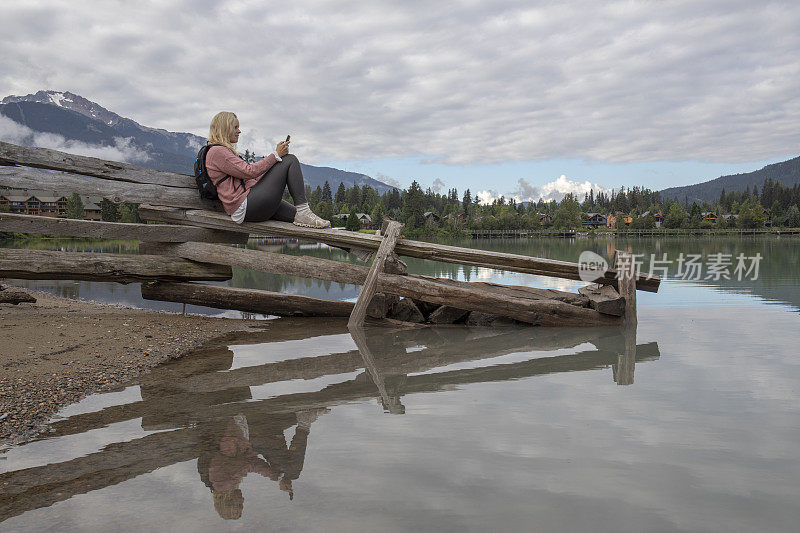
x,y
222,127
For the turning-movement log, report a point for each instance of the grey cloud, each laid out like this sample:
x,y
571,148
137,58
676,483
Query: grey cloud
x,y
618,81
388,180
438,185
525,191
123,149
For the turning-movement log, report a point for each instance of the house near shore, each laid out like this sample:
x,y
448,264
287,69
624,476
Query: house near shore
x,y
612,221
595,220
544,218
47,203
709,216
431,217
658,217
363,218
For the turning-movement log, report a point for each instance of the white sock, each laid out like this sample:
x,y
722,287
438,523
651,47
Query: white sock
x,y
302,208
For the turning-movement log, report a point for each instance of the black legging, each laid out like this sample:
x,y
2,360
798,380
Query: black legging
x,y
265,199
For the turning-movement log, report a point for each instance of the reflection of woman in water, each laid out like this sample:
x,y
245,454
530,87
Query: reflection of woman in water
x,y
229,464
224,468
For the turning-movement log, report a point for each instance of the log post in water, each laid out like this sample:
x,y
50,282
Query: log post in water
x,y
624,262
371,282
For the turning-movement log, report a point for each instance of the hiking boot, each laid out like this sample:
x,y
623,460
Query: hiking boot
x,y
308,219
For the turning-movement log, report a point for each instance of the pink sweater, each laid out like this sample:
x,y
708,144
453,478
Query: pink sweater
x,y
221,162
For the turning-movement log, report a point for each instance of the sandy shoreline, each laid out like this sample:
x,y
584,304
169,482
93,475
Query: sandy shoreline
x,y
57,350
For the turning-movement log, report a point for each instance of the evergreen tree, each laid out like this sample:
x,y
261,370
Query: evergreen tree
x,y
324,210
340,194
793,217
675,217
377,215
413,206
315,197
129,212
109,211
568,214
352,196
75,206
467,201
353,224
326,192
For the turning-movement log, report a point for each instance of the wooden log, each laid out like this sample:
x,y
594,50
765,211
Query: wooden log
x,y
14,295
371,282
624,262
488,298
122,268
115,230
623,369
250,300
424,250
357,333
604,298
116,191
11,154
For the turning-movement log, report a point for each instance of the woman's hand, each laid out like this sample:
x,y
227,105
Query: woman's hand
x,y
282,149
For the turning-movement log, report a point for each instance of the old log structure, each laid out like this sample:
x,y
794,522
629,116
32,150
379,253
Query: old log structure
x,y
187,241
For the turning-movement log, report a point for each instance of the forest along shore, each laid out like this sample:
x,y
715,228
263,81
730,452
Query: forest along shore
x,y
56,351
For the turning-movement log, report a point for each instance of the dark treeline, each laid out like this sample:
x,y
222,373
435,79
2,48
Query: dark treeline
x,y
430,213
427,213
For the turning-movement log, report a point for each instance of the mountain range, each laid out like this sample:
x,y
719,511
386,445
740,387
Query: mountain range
x,y
74,119
786,172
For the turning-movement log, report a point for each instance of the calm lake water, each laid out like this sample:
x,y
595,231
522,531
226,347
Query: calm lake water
x,y
692,423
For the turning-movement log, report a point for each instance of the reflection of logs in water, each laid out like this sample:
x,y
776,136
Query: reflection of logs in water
x,y
166,406
182,388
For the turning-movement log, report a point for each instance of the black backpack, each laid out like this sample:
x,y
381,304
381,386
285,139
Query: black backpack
x,y
205,187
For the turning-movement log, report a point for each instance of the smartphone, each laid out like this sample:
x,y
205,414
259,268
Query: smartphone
x,y
288,137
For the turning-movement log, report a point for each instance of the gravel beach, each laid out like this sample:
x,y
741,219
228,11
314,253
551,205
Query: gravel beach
x,y
56,351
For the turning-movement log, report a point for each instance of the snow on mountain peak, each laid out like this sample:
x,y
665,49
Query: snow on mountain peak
x,y
57,98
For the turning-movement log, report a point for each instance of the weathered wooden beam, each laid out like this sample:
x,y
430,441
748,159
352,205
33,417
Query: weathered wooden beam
x,y
604,298
122,268
424,250
371,282
12,154
521,303
249,300
116,191
624,262
115,230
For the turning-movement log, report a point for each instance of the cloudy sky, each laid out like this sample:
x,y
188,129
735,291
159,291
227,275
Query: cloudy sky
x,y
504,97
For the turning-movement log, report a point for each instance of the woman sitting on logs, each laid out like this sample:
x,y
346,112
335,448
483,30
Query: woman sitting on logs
x,y
254,192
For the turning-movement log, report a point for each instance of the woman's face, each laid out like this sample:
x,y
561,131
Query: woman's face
x,y
235,134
